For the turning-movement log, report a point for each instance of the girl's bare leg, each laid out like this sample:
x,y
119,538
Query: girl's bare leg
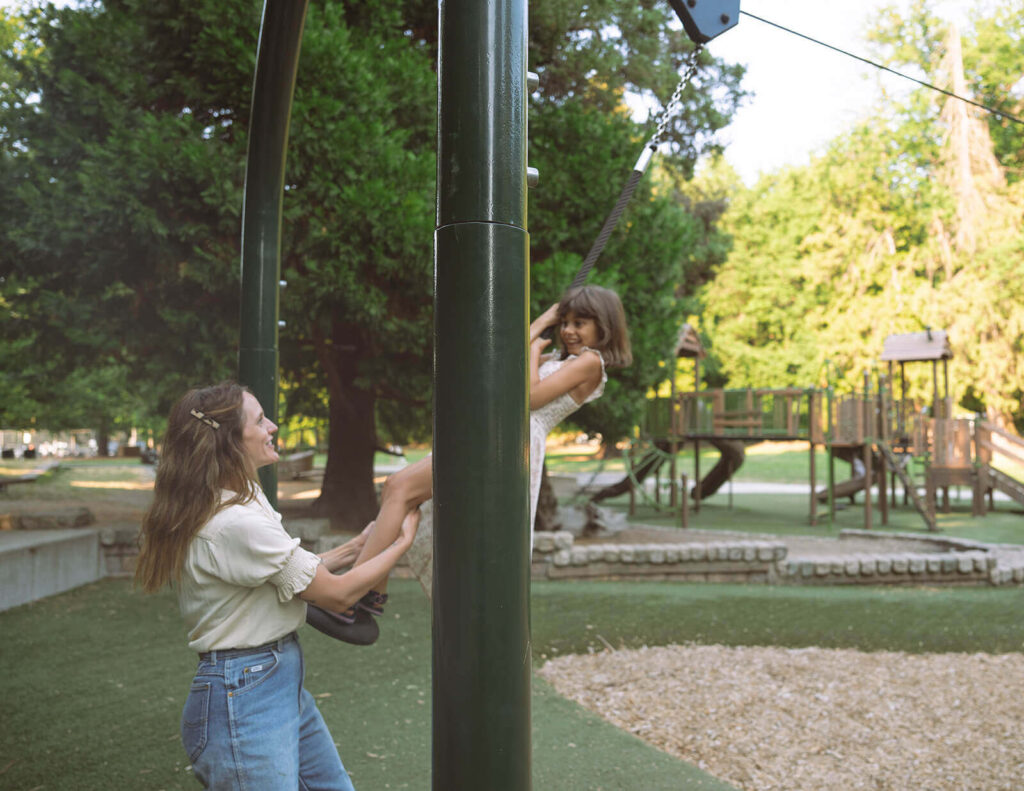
x,y
403,491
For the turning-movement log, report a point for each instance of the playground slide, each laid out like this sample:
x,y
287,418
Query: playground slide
x,y
847,488
852,485
732,455
1006,484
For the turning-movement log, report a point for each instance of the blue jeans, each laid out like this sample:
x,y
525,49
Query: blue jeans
x,y
250,725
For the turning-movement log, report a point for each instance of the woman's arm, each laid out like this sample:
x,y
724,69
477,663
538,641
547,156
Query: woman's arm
x,y
579,377
338,592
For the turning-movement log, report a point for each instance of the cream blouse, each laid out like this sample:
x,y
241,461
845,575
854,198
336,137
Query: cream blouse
x,y
240,579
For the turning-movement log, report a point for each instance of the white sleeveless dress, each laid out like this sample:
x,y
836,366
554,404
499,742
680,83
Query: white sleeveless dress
x,y
545,418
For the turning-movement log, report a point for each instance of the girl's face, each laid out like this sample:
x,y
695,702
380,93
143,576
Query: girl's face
x,y
578,332
257,433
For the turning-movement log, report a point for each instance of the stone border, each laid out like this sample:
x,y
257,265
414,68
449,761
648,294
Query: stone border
x,y
965,562
555,556
734,558
905,568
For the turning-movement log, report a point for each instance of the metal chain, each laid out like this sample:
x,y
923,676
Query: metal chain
x,y
675,102
638,171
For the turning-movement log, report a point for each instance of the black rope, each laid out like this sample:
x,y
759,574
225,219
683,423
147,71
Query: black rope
x,y
952,95
609,226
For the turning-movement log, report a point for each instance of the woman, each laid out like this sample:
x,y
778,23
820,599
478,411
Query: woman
x,y
242,585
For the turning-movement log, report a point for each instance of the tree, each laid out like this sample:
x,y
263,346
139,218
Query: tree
x,y
584,143
121,152
358,238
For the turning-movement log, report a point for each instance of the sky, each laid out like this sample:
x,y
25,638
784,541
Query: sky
x,y
805,94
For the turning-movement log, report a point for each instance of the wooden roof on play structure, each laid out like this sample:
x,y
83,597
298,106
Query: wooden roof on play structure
x,y
917,346
688,344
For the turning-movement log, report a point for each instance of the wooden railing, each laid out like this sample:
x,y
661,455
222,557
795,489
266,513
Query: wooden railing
x,y
796,413
994,442
786,412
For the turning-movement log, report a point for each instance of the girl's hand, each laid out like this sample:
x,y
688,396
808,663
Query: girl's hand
x,y
537,345
549,318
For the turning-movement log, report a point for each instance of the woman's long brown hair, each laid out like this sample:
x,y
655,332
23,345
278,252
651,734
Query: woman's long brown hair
x,y
202,455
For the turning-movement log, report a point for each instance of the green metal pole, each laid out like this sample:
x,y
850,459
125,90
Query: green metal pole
x,y
481,629
277,60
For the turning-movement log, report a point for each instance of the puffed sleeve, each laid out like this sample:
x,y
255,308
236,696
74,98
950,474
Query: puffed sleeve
x,y
252,549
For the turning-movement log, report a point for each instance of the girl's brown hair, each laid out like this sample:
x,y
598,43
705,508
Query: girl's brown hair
x,y
605,308
202,455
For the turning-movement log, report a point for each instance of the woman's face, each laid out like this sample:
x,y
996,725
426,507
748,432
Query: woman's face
x,y
257,433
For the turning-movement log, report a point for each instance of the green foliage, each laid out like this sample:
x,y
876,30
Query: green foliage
x,y
997,51
359,217
122,153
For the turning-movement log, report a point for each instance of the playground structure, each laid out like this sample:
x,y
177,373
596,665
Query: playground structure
x,y
883,437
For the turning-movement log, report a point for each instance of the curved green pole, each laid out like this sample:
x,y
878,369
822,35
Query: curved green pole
x,y
481,634
277,60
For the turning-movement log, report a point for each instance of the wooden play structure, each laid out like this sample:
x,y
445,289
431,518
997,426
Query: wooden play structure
x,y
891,442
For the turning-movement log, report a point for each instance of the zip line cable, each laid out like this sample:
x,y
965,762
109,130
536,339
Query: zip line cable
x,y
673,106
992,110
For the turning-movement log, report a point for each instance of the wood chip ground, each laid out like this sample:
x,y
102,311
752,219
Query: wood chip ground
x,y
812,719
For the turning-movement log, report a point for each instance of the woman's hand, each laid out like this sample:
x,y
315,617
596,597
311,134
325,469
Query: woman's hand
x,y
410,525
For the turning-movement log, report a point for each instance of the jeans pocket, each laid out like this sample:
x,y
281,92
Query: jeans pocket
x,y
195,720
254,671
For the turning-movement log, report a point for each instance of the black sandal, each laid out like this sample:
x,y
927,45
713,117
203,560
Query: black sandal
x,y
373,603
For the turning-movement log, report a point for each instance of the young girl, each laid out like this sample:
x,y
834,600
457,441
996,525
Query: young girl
x,y
593,335
241,581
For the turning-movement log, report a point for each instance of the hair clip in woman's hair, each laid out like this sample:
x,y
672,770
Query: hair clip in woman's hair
x,y
202,416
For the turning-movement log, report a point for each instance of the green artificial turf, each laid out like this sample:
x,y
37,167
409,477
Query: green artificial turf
x,y
577,616
94,680
789,515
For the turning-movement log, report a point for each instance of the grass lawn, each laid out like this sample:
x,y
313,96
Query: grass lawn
x,y
94,679
787,514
